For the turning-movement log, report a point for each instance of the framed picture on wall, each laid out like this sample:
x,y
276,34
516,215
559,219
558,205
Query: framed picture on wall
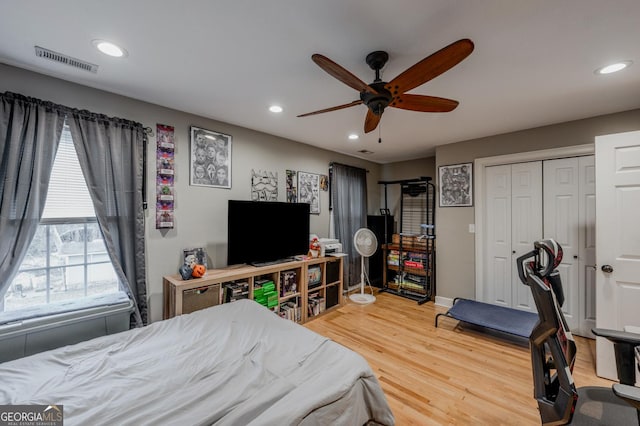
x,y
210,161
456,185
309,190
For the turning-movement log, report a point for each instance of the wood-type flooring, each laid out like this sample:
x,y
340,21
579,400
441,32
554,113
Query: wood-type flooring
x,y
450,375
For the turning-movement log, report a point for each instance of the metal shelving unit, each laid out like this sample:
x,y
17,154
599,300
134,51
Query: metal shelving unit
x,y
410,259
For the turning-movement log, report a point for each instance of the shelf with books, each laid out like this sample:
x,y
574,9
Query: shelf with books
x,y
409,268
408,261
291,309
316,303
324,286
283,288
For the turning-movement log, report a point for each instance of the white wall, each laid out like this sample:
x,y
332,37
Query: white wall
x,y
200,212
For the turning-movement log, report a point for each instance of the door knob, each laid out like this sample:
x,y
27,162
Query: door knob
x,y
607,268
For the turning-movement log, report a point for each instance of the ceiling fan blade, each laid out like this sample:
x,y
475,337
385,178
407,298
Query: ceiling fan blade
x,y
431,66
341,74
423,103
335,108
371,121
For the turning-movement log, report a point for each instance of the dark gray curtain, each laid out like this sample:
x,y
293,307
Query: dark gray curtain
x,y
110,152
29,136
349,200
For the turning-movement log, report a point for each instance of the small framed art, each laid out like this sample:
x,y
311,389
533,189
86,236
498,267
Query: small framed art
x,y
456,185
309,190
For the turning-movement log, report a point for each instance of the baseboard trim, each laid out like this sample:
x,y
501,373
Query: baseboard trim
x,y
447,302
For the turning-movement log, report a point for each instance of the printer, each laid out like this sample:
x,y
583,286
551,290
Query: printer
x,y
329,246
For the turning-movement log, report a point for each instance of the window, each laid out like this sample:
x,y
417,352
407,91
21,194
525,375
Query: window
x,y
67,258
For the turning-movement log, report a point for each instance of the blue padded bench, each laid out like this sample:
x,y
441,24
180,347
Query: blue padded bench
x,y
500,318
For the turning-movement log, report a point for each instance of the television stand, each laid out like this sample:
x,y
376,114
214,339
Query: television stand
x,y
306,300
272,262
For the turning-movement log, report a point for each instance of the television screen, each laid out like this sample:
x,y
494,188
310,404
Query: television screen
x,y
266,231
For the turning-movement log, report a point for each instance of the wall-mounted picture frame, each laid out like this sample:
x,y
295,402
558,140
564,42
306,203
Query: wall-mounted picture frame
x,y
292,186
210,162
456,185
309,190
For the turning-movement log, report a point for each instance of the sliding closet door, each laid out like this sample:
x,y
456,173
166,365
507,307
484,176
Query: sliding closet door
x,y
561,222
569,218
513,222
498,235
526,224
588,244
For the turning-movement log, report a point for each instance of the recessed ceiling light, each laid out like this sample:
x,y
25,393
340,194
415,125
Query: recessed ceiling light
x,y
353,136
109,48
275,108
618,66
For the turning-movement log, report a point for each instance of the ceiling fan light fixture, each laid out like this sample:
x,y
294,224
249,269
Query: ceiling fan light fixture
x,y
380,94
110,49
275,109
611,68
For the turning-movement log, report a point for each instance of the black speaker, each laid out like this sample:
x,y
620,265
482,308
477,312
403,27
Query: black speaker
x,y
381,226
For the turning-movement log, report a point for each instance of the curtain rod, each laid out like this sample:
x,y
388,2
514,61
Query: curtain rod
x,y
68,110
347,165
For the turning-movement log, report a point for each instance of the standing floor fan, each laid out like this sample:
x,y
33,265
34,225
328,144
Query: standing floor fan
x,y
366,244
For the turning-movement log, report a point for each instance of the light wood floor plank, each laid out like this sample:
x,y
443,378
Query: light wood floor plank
x,y
448,375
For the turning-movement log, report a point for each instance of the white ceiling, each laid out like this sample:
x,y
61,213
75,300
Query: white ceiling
x,y
533,62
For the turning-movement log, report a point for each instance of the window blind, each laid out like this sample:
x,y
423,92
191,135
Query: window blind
x,y
68,195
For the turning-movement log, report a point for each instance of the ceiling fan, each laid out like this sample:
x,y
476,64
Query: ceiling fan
x,y
380,94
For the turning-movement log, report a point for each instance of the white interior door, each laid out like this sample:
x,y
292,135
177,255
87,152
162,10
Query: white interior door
x,y
569,218
561,222
513,222
498,236
587,251
617,240
526,224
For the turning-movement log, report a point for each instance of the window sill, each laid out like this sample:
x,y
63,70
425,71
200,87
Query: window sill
x,y
57,308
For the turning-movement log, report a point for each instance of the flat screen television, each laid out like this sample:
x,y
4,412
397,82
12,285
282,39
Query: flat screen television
x,y
266,231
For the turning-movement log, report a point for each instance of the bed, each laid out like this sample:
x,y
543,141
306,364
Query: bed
x,y
233,364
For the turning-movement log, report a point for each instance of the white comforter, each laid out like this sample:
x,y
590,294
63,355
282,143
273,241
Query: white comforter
x,y
235,364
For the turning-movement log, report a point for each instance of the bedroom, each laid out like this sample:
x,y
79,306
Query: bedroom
x,y
201,209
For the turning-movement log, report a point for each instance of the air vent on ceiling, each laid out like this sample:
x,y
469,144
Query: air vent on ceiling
x,y
41,52
365,151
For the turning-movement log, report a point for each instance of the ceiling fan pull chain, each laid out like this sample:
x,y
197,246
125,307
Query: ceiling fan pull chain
x,y
380,133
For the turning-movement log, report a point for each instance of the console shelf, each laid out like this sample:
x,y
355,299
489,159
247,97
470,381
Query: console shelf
x,y
284,288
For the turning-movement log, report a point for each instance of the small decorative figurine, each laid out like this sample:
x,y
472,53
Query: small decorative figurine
x,y
314,247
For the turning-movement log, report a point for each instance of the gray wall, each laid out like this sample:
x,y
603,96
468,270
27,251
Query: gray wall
x,y
200,212
455,265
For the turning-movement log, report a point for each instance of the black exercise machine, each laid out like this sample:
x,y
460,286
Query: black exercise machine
x,y
553,353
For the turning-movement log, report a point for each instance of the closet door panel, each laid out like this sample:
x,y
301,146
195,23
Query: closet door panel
x,y
526,224
498,241
561,222
587,249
